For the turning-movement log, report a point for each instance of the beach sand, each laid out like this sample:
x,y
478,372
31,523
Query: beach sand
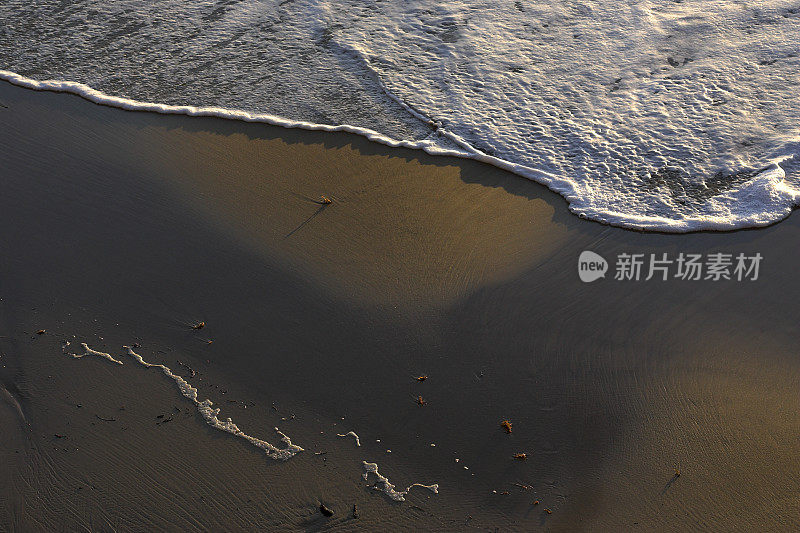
x,y
120,227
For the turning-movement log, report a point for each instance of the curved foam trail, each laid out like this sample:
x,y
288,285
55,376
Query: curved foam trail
x,y
97,97
210,415
89,351
350,434
560,185
382,484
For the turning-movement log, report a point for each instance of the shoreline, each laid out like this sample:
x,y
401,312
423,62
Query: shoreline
x,y
131,228
772,173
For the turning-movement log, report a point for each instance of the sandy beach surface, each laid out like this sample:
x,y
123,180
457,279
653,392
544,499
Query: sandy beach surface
x,y
128,229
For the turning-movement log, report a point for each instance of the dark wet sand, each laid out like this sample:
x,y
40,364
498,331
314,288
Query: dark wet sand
x,y
120,227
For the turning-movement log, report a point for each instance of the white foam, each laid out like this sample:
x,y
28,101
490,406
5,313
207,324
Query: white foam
x,y
350,434
98,97
382,483
89,351
762,201
210,414
206,409
673,117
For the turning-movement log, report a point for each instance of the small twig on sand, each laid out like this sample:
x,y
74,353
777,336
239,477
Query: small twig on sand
x,y
106,419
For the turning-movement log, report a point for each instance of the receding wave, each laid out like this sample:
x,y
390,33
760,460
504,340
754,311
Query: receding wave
x,y
671,117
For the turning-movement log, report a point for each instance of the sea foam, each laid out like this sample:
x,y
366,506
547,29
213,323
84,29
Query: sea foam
x,y
89,351
672,117
351,434
382,483
206,409
209,413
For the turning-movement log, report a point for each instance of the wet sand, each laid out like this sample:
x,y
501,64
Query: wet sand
x,y
121,228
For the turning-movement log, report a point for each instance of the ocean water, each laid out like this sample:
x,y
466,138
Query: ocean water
x,y
665,115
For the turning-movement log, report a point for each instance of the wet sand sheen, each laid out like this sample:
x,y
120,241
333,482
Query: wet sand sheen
x,y
130,227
